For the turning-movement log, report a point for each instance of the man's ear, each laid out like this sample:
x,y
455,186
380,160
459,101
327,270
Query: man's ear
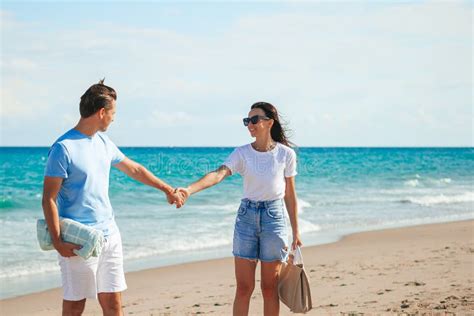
x,y
101,113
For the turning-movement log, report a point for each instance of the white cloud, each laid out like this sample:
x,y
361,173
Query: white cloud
x,y
348,72
163,119
7,20
19,65
68,121
23,100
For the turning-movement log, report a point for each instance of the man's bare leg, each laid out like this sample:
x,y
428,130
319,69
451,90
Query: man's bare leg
x,y
111,303
73,308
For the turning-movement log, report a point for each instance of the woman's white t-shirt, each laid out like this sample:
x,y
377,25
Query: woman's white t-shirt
x,y
264,173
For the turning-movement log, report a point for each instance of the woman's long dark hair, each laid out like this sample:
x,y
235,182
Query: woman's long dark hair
x,y
278,131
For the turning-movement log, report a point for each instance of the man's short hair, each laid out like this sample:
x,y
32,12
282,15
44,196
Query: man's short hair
x,y
98,96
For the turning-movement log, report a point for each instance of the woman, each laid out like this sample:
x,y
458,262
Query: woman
x,y
268,167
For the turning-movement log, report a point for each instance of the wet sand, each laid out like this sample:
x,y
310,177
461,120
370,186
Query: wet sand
x,y
420,269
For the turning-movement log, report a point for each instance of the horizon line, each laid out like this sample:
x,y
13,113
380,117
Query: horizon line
x,y
230,146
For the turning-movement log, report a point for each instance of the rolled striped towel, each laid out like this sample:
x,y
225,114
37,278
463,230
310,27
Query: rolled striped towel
x,y
73,232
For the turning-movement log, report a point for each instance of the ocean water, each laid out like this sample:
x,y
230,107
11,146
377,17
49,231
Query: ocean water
x,y
340,191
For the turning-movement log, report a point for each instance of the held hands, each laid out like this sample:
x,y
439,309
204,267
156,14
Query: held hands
x,y
175,198
184,193
179,196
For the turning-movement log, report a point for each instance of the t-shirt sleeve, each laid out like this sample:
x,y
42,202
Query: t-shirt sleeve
x,y
290,168
116,155
58,162
234,162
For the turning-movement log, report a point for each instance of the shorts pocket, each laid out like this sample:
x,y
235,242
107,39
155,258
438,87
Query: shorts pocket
x,y
242,210
276,213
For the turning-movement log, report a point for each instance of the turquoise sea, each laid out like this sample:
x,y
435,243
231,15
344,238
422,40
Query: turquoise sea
x,y
340,190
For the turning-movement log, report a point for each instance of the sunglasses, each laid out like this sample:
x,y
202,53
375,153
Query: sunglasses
x,y
254,119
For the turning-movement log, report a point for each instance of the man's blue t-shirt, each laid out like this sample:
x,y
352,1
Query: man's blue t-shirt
x,y
84,163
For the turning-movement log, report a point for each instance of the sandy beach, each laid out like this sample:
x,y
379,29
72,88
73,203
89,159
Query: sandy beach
x,y
427,269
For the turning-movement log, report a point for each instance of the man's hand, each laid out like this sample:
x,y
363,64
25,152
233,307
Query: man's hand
x,y
185,194
178,197
175,197
65,249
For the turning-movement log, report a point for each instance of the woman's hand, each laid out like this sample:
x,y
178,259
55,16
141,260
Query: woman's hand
x,y
175,198
184,193
179,196
296,241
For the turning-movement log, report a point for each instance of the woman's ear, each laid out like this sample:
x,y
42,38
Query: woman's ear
x,y
271,122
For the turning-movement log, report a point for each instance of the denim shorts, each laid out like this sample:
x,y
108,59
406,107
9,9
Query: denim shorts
x,y
260,231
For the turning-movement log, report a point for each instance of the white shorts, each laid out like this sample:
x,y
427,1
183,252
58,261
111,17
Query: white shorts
x,y
104,274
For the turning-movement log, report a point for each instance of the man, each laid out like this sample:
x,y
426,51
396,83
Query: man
x,y
76,186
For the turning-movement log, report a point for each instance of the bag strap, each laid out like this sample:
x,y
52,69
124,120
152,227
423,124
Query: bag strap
x,y
310,302
297,255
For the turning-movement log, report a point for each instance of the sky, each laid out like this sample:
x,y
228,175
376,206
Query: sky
x,y
353,73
